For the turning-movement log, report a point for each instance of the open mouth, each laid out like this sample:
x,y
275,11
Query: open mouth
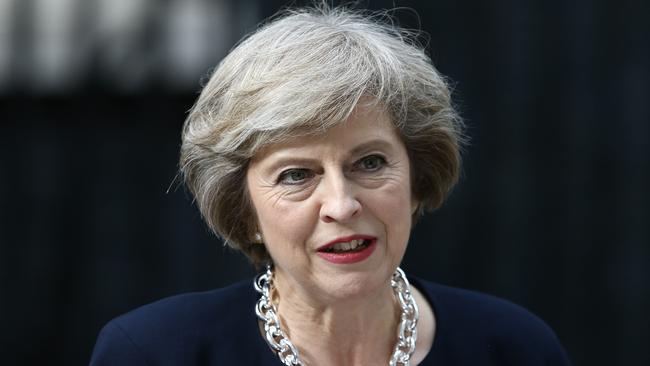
x,y
351,246
349,250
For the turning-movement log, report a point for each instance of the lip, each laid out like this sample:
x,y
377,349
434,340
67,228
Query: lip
x,y
349,257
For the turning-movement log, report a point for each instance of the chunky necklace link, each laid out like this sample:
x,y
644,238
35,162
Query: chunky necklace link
x,y
277,339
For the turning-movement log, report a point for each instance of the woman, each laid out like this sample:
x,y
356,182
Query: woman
x,y
314,147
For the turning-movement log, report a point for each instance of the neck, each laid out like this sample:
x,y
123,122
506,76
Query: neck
x,y
358,330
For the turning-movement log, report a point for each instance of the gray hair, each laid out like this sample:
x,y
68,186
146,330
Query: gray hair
x,y
300,74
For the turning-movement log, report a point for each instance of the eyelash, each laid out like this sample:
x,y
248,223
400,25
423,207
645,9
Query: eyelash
x,y
282,178
380,159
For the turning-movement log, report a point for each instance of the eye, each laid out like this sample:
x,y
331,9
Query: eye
x,y
371,163
294,176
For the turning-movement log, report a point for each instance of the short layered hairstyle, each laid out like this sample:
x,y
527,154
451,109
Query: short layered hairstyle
x,y
300,74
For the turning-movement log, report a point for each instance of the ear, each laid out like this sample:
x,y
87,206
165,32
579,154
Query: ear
x,y
415,205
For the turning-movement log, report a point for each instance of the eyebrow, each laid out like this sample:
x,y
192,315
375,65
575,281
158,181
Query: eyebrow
x,y
359,149
371,144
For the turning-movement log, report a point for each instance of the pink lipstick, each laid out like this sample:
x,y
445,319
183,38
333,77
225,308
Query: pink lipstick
x,y
345,250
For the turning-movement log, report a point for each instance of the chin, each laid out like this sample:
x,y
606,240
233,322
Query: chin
x,y
356,284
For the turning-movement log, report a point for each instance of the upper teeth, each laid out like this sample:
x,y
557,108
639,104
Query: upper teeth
x,y
352,244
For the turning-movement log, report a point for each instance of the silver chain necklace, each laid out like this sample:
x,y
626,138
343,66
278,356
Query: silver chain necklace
x,y
277,339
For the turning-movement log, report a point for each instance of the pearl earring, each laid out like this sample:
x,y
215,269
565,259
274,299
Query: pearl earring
x,y
258,238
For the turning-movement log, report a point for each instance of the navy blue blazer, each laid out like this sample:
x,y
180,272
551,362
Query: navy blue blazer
x,y
219,327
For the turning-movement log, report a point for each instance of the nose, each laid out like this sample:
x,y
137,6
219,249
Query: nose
x,y
338,202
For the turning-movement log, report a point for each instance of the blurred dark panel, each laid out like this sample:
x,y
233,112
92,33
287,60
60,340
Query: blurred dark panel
x,y
552,212
56,47
89,229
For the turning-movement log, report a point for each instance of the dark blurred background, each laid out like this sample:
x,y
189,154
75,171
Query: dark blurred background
x,y
552,212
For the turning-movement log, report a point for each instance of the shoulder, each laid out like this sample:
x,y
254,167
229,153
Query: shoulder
x,y
175,328
492,328
188,310
189,313
480,309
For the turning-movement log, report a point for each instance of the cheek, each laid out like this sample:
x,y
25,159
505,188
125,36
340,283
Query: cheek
x,y
393,206
278,219
286,225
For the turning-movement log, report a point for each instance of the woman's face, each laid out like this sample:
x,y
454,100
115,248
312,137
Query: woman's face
x,y
335,210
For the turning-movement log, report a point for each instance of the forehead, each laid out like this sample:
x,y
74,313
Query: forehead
x,y
365,124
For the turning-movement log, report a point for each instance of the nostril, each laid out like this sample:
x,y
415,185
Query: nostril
x,y
340,210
